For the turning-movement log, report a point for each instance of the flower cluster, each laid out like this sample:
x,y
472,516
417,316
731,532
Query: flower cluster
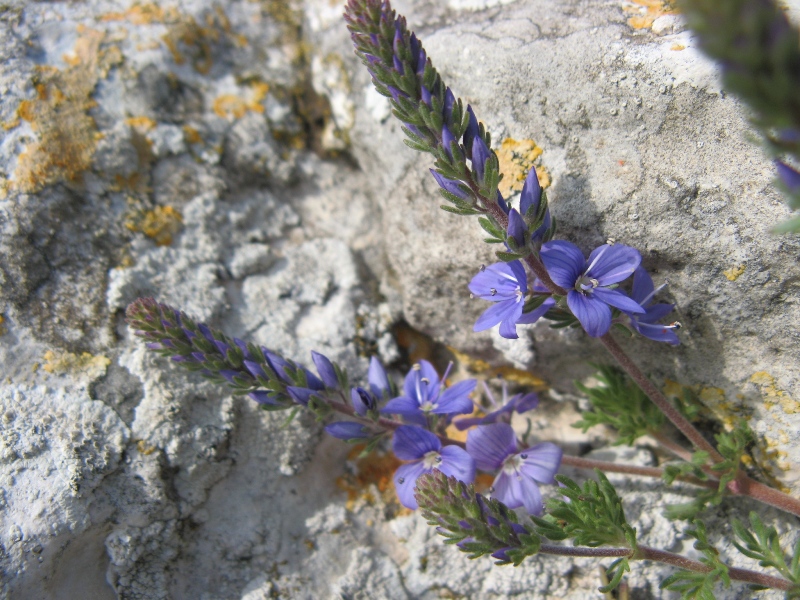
x,y
425,404
592,297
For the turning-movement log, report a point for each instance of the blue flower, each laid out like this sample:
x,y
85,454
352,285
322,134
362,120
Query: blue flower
x,y
348,430
529,202
423,395
647,323
789,176
589,283
427,453
506,284
519,403
379,387
494,448
326,370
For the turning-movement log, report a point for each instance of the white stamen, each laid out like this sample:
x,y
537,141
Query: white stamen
x,y
431,459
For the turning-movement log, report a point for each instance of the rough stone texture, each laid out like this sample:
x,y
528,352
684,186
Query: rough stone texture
x,y
234,160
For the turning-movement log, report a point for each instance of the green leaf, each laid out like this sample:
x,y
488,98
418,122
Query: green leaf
x,y
619,403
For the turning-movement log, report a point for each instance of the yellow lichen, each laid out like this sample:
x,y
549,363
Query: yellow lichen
x,y
159,224
232,106
143,448
481,367
141,124
734,272
67,135
3,329
516,158
648,11
67,362
144,14
677,47
773,395
191,135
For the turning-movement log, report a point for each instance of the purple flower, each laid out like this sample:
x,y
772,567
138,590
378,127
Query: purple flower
x,y
427,453
348,430
326,370
789,176
529,202
518,403
365,401
516,229
423,395
506,284
589,295
494,447
377,378
647,323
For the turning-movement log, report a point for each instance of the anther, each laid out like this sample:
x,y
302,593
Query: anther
x,y
483,268
401,480
493,291
416,367
611,241
676,325
425,380
523,456
472,296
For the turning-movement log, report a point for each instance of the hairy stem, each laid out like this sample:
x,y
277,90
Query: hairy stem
x,y
676,560
682,423
741,575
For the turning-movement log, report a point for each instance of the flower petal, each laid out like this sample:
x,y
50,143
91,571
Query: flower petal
x,y
508,327
412,443
325,369
541,462
657,333
455,399
347,430
531,194
300,395
593,313
642,285
497,282
564,262
405,480
655,312
456,462
490,445
618,300
612,264
518,490
516,228
378,380
536,313
408,407
508,310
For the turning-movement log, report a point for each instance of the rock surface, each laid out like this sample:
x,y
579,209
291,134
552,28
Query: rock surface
x,y
233,160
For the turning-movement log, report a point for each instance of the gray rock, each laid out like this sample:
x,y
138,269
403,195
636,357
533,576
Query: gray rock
x,y
125,477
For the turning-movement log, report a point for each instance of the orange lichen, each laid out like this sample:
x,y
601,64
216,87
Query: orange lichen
x,y
516,159
647,11
376,469
3,329
59,116
159,224
232,106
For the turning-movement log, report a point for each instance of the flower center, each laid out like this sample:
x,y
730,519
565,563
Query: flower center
x,y
511,465
427,406
431,459
586,284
